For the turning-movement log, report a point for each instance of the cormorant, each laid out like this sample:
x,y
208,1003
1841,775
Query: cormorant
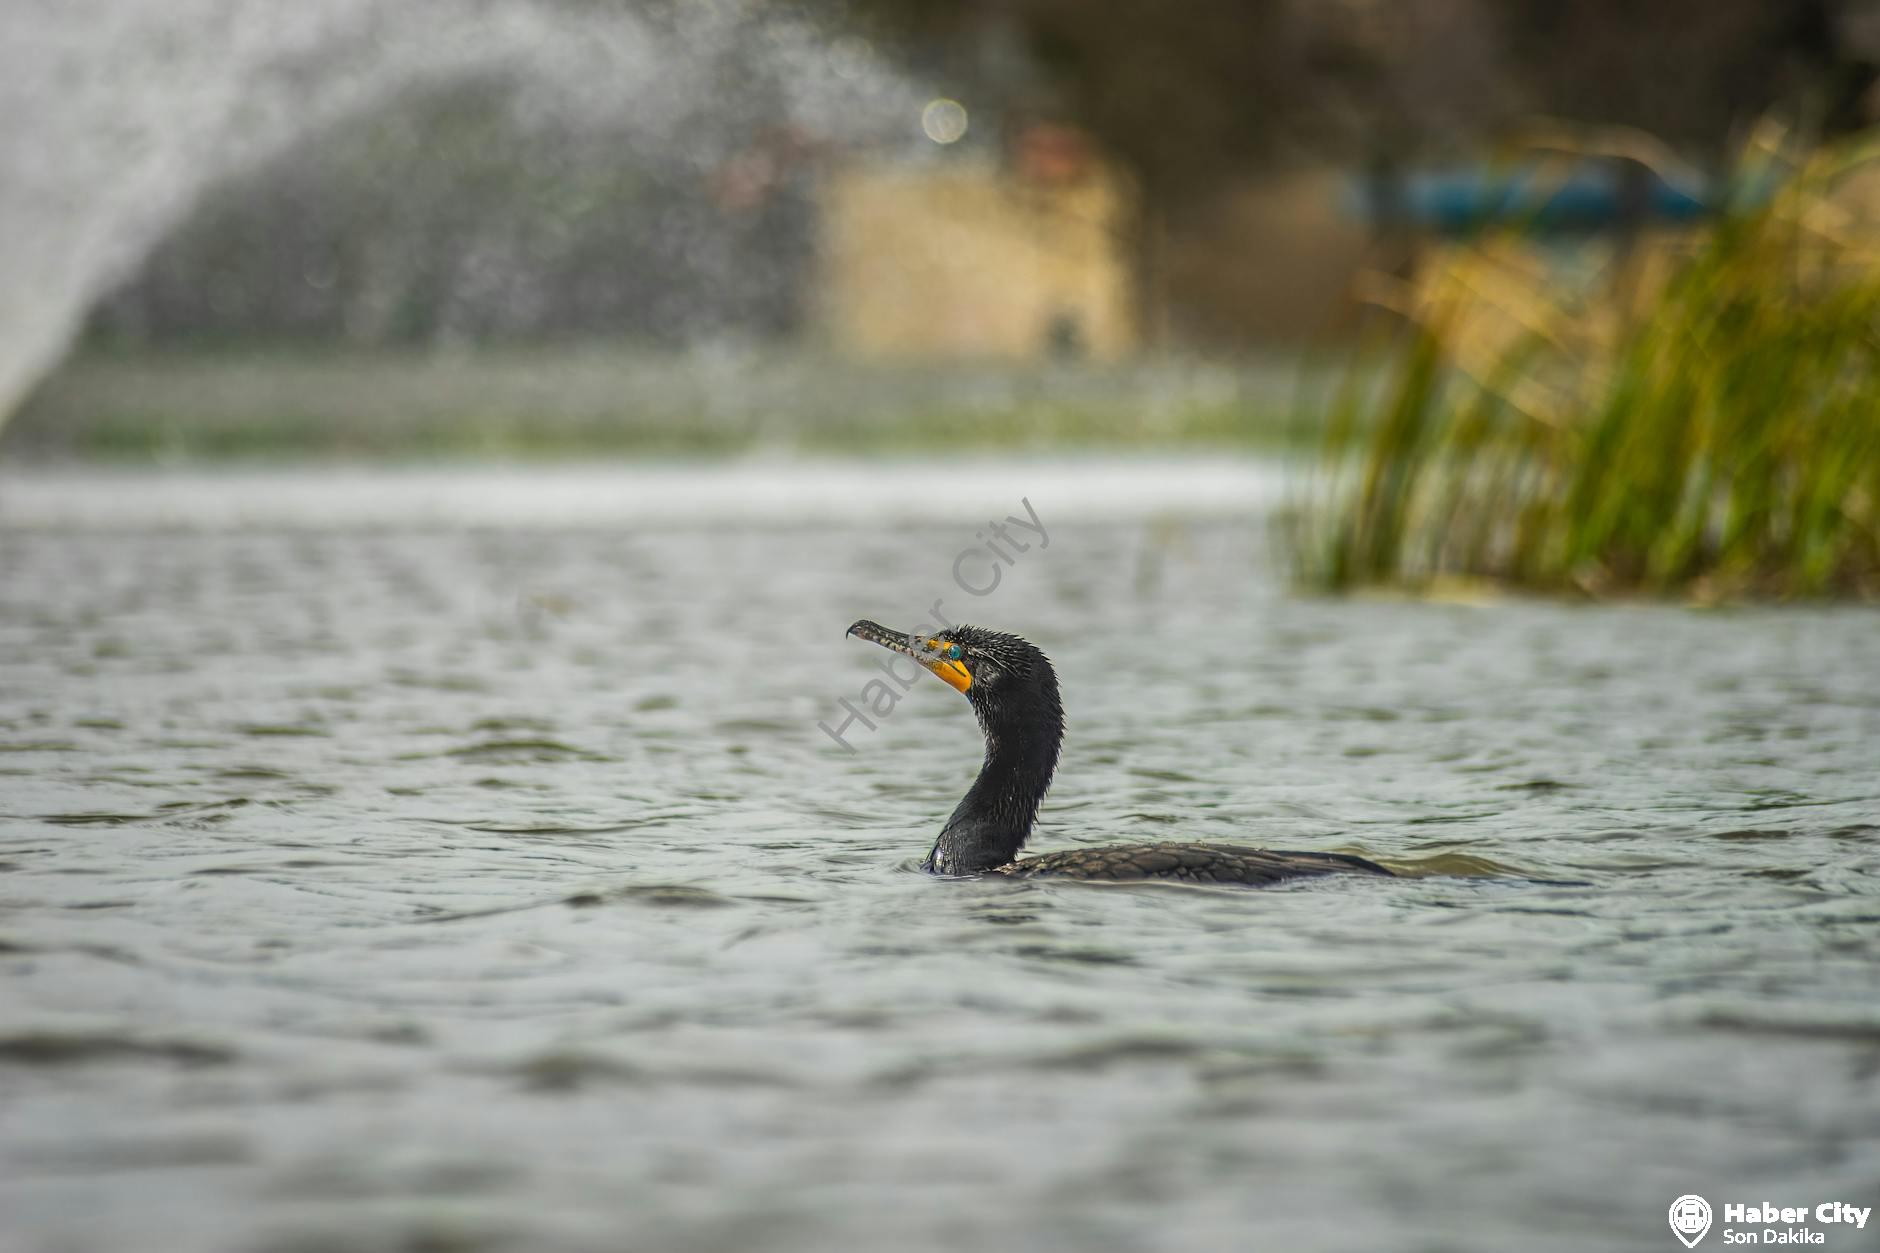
x,y
1014,693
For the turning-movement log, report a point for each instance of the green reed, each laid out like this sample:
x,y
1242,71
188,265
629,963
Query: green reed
x,y
1718,439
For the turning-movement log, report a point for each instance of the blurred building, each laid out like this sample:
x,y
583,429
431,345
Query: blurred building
x,y
984,259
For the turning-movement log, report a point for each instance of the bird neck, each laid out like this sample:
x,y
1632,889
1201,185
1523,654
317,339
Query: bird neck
x,y
994,819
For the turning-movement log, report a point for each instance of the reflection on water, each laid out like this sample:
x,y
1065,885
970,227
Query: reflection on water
x,y
421,888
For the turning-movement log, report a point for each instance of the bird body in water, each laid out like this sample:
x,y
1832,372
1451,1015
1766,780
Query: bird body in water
x,y
1014,693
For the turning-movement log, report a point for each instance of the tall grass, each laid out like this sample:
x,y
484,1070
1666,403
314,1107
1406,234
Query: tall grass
x,y
1701,418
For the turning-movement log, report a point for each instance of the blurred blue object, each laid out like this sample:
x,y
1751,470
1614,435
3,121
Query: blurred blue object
x,y
1592,196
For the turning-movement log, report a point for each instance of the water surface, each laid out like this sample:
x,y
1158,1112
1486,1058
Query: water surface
x,y
381,881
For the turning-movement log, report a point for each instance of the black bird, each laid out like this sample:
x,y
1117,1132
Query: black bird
x,y
1014,693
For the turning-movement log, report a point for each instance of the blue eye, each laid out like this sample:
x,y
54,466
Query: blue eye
x,y
954,652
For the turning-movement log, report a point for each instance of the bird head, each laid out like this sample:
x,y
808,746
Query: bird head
x,y
1008,681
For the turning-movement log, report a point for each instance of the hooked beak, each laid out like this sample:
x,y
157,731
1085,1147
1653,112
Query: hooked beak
x,y
926,651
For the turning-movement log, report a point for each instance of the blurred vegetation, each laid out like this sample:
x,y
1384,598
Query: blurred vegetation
x,y
1702,420
1190,92
562,400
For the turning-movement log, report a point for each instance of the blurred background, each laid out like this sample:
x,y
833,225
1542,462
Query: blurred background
x,y
443,441
509,229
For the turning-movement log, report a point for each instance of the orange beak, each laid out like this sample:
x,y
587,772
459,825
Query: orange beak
x,y
928,652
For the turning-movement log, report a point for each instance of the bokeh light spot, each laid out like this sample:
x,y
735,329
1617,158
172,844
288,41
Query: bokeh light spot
x,y
944,121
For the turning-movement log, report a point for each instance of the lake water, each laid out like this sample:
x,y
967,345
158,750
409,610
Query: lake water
x,y
438,861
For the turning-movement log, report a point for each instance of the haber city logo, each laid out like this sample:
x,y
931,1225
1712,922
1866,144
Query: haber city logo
x,y
1691,1217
